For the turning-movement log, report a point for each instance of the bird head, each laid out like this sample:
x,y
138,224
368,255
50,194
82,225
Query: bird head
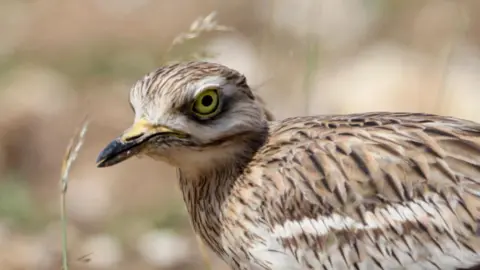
x,y
190,113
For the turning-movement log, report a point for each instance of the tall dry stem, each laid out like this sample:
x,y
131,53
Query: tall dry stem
x,y
73,148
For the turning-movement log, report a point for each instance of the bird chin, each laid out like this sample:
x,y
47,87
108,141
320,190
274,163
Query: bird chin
x,y
157,157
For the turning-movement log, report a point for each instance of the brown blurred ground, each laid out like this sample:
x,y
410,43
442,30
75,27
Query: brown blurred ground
x,y
62,59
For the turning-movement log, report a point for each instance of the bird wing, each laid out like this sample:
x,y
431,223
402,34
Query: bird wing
x,y
379,190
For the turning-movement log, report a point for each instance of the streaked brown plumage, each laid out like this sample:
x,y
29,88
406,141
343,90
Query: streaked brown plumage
x,y
360,191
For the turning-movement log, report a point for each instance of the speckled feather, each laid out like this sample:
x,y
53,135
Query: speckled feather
x,y
360,191
372,191
364,191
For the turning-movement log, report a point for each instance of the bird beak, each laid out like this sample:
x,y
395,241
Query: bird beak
x,y
130,143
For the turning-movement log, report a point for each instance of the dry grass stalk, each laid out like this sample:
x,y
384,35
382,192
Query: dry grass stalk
x,y
198,27
71,154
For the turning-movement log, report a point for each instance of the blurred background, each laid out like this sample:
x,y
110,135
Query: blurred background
x,y
61,60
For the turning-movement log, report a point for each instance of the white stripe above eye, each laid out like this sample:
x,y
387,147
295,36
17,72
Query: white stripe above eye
x,y
415,211
207,82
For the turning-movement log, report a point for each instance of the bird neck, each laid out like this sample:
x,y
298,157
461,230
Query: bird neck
x,y
207,191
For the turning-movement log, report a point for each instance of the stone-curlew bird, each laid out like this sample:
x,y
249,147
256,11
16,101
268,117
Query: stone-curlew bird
x,y
359,191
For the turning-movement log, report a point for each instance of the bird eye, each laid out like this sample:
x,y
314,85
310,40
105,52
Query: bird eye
x,y
206,104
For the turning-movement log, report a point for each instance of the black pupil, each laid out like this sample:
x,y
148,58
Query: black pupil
x,y
207,101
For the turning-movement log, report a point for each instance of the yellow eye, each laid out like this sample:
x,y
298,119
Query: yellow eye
x,y
206,104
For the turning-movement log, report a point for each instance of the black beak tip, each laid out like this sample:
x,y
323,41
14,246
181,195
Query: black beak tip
x,y
108,153
116,152
102,157
100,163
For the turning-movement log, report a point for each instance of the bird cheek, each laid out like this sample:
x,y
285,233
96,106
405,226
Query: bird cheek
x,y
163,155
156,147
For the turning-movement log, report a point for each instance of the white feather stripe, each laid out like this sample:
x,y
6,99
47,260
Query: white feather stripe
x,y
395,215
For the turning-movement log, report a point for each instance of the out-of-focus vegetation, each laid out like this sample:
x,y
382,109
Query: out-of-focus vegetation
x,y
62,59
